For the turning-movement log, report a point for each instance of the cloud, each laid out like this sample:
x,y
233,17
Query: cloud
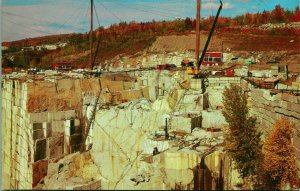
x,y
215,6
22,3
209,6
39,20
242,1
228,6
241,11
254,7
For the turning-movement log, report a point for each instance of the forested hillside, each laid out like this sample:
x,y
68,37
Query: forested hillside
x,y
132,37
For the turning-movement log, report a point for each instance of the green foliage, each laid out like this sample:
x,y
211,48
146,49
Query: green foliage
x,y
180,25
6,62
239,19
11,49
242,139
76,39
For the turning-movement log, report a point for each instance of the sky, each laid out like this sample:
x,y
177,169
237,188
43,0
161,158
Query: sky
x,y
31,18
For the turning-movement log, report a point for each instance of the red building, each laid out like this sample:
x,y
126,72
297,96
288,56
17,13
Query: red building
x,y
7,70
213,59
64,67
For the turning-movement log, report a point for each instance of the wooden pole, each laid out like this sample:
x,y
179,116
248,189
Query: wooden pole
x,y
91,36
197,33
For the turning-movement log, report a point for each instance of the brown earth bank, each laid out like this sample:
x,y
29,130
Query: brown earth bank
x,y
233,41
284,49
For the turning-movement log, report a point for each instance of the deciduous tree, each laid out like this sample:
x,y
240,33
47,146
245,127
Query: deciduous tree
x,y
248,19
296,16
266,16
278,14
279,156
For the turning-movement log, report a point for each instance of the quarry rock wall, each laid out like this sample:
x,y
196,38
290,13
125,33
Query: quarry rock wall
x,y
17,139
215,89
213,119
163,58
113,127
268,108
28,137
121,136
42,121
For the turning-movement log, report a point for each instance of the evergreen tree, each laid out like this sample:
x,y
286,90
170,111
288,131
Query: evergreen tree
x,y
279,156
6,62
242,139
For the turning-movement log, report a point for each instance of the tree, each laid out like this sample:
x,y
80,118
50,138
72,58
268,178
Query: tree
x,y
188,23
242,139
22,60
296,16
266,15
279,155
33,63
239,19
6,62
288,15
248,19
278,14
257,18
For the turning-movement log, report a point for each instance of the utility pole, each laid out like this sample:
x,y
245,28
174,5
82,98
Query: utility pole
x,y
197,33
91,36
222,50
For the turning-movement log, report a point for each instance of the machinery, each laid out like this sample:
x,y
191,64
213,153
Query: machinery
x,y
196,71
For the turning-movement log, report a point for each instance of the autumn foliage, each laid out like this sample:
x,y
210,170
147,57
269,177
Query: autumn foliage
x,y
277,15
279,157
131,37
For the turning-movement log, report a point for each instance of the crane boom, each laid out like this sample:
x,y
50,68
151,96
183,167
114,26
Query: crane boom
x,y
209,36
